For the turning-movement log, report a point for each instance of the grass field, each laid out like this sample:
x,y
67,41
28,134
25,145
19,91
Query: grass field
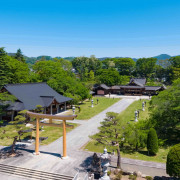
x,y
52,133
128,116
88,112
142,155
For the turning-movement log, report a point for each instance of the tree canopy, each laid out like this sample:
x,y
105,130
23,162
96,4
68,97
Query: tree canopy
x,y
145,66
111,133
165,110
125,66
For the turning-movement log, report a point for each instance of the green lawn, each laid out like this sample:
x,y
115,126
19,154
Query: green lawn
x,y
142,155
88,112
52,133
128,116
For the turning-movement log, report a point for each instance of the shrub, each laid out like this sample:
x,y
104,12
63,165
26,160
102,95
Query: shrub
x,y
173,161
132,177
152,142
118,176
109,173
149,178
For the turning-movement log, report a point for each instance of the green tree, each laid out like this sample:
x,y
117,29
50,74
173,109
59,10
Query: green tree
x,y
174,68
145,67
125,66
136,135
65,64
19,56
152,142
60,80
109,77
173,161
19,128
19,71
91,76
165,113
108,63
12,70
84,65
5,73
5,99
111,133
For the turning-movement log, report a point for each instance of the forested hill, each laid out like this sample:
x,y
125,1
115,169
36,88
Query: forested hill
x,y
32,60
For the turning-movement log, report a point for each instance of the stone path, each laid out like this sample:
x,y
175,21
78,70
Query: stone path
x,y
49,160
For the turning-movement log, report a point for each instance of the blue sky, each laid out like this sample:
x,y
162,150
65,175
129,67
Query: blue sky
x,y
133,28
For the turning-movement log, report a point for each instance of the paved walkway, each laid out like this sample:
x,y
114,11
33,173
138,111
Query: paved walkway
x,y
49,160
128,97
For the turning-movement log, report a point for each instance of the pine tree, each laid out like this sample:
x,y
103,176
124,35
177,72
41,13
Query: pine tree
x,y
111,133
5,72
152,142
19,128
19,56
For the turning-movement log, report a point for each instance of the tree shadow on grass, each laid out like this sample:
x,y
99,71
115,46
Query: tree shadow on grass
x,y
127,150
145,153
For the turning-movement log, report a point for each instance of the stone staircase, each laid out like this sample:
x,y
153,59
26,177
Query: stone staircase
x,y
31,173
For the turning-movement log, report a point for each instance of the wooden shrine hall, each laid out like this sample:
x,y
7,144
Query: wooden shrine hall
x,y
136,86
29,95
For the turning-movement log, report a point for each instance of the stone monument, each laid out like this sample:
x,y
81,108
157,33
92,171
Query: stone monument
x,y
92,103
73,109
136,115
143,106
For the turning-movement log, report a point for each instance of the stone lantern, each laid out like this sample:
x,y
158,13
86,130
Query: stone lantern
x,y
105,162
143,104
73,109
136,115
92,103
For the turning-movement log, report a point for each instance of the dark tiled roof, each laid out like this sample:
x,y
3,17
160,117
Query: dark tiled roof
x,y
138,81
152,88
104,86
33,94
18,106
115,87
132,87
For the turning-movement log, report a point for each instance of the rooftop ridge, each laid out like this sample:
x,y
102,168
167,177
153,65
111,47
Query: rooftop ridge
x,y
17,84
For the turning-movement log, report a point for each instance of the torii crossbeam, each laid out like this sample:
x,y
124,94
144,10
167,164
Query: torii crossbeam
x,y
50,117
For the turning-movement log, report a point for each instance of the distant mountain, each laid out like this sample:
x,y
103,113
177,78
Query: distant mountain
x,y
163,56
11,54
32,60
159,57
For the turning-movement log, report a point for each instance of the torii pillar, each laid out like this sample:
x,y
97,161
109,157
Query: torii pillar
x,y
50,117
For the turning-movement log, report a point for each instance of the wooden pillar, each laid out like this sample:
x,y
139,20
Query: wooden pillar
x,y
12,116
57,107
51,108
37,137
50,120
44,110
65,106
64,139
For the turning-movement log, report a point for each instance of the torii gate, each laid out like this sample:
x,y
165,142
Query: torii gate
x,y
50,117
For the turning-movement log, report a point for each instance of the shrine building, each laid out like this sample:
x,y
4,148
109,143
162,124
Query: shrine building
x,y
29,95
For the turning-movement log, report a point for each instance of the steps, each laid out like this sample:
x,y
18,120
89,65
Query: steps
x,y
31,173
